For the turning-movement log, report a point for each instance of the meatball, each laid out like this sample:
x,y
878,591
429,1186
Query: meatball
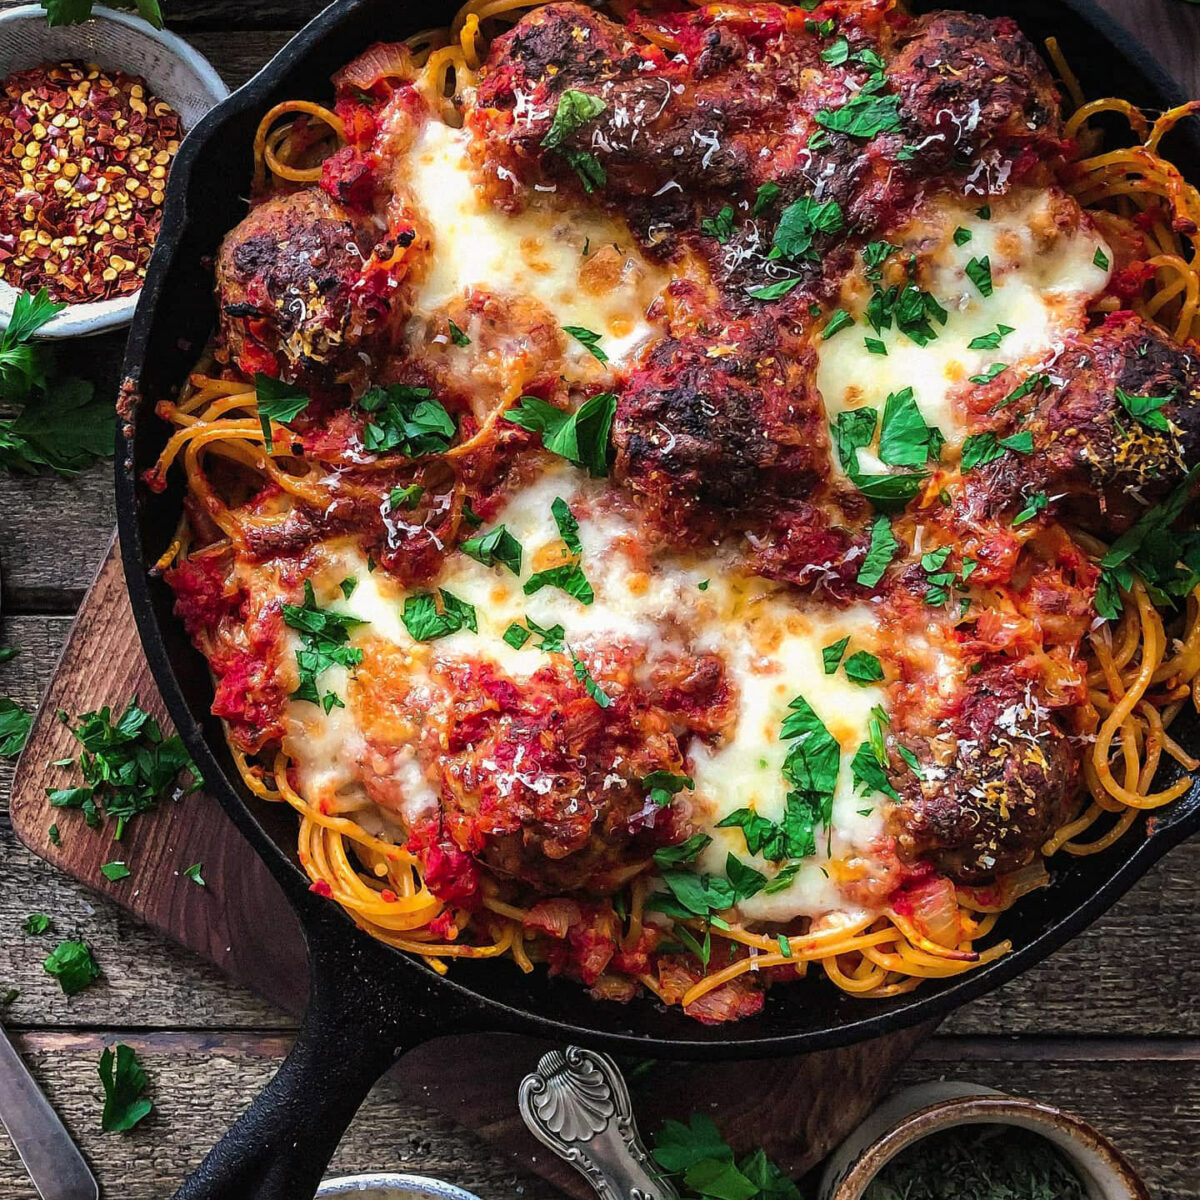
x,y
992,787
1089,443
969,84
286,288
705,431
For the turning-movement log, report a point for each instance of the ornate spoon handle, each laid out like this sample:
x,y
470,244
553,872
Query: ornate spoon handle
x,y
577,1104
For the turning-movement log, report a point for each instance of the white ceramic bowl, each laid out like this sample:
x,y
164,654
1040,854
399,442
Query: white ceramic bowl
x,y
384,1185
916,1112
175,73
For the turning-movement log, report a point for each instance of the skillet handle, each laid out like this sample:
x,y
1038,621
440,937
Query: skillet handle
x,y
362,1015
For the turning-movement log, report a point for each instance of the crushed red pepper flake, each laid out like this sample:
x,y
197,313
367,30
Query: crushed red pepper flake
x,y
84,158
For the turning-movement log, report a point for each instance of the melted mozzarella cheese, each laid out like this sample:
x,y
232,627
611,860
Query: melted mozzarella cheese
x,y
1043,277
538,252
770,644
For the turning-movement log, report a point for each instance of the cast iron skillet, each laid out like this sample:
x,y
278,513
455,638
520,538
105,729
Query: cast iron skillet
x,y
368,1002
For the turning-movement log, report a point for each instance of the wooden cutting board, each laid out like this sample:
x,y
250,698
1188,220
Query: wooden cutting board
x,y
798,1108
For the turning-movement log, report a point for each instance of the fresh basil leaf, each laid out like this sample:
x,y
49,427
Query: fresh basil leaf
x,y
832,655
568,578
72,964
882,550
405,419
429,616
661,786
496,547
588,339
838,320
773,291
684,852
581,437
863,668
124,1082
905,440
277,401
1145,409
720,226
990,341
979,272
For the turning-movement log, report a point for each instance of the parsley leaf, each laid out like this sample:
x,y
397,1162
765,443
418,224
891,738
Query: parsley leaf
x,y
590,685
990,374
905,440
978,449
193,873
1145,409
124,1082
405,419
773,291
863,668
880,553
838,320
832,655
720,226
115,871
581,437
15,724
72,964
37,924
62,426
852,431
404,497
663,785
990,341
575,110
457,336
21,362
684,852
962,236
588,339
277,401
429,615
568,578
552,636
498,546
1100,259
1021,442
865,114
800,224
979,272
765,196
1034,504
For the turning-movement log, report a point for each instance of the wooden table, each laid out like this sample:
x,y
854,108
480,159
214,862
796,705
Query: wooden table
x,y
1110,1027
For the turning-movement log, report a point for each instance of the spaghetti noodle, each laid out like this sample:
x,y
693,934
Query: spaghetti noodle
x,y
1140,671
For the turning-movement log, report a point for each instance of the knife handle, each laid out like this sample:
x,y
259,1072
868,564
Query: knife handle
x,y
54,1163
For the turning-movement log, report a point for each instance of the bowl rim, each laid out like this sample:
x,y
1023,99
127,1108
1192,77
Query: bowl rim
x,y
348,1185
988,1107
76,320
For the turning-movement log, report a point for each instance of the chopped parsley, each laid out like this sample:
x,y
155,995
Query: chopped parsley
x,y
498,547
1033,505
1165,559
961,236
1145,409
880,553
193,873
38,923
663,785
801,223
457,336
15,724
905,440
552,636
773,291
431,615
720,226
838,320
766,195
866,114
127,765
990,341
684,852
875,346
568,578
581,437
323,644
124,1082
348,586
405,497
1021,443
831,655
874,254
575,110
405,419
1023,389
277,401
979,272
990,374
909,308
115,871
72,964
984,213
1100,259
590,685
588,339
863,668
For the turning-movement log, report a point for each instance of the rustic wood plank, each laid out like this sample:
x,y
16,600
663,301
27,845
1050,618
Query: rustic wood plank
x,y
1170,28
201,1081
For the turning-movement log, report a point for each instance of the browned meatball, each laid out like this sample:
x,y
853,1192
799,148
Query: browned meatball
x,y
969,84
1089,445
285,284
702,437
996,782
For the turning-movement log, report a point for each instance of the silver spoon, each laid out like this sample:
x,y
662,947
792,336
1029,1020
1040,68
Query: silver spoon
x,y
576,1102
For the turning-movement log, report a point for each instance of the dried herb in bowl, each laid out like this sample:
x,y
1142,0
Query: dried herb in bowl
x,y
978,1162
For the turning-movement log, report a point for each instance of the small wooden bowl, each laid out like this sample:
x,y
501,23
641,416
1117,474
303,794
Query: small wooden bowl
x,y
927,1108
174,72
